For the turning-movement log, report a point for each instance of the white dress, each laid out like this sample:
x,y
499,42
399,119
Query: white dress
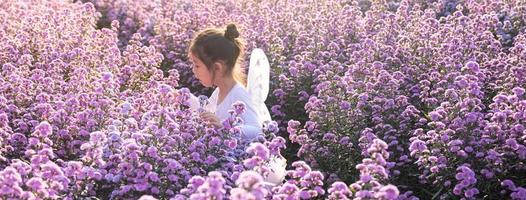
x,y
252,125
251,128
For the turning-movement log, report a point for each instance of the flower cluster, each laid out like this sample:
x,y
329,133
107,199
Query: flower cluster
x,y
436,81
426,95
372,172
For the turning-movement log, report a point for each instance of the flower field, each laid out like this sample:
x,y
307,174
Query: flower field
x,y
371,99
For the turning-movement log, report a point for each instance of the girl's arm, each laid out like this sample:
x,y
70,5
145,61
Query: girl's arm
x,y
251,127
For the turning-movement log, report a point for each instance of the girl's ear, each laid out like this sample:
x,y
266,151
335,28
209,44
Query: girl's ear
x,y
218,67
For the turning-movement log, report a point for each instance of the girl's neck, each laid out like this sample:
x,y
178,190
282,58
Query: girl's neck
x,y
225,85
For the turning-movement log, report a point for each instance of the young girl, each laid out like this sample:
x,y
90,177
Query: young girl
x,y
215,55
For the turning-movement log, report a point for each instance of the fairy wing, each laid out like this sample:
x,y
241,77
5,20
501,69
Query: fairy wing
x,y
258,82
258,75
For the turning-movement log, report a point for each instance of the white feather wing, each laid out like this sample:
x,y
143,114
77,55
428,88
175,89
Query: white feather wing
x,y
258,82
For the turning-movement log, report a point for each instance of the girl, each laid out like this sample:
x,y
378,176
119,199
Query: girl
x,y
215,55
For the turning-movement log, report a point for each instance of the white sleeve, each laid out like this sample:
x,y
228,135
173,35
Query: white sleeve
x,y
212,101
194,102
252,126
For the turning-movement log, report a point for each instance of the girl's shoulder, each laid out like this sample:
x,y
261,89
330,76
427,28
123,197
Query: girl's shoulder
x,y
241,92
238,93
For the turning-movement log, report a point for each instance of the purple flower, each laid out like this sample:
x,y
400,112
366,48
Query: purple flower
x,y
240,194
508,183
435,116
364,194
434,169
271,127
165,89
329,137
366,178
147,197
473,66
417,145
97,137
345,105
232,144
43,130
196,181
363,97
249,179
518,91
519,193
141,186
210,160
470,193
339,190
239,107
107,76
209,188
259,150
252,162
388,192
36,183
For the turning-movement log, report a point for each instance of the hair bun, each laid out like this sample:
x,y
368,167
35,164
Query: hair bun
x,y
231,32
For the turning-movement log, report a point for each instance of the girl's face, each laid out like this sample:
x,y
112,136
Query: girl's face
x,y
201,72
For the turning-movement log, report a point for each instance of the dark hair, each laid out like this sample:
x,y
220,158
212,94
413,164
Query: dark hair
x,y
212,45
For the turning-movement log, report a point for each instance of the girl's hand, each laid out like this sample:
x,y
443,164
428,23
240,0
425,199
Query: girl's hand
x,y
211,118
